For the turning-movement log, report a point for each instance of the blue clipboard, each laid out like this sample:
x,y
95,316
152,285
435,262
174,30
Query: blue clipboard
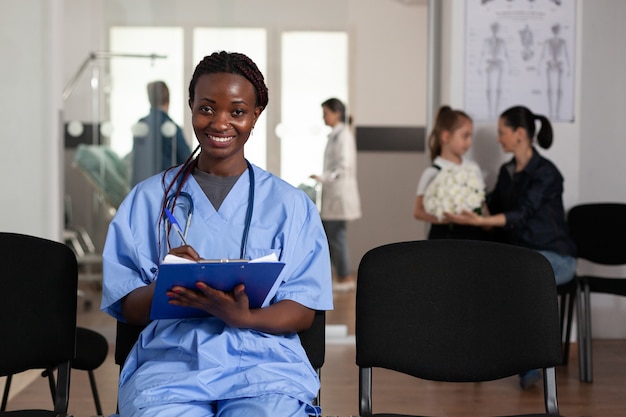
x,y
258,277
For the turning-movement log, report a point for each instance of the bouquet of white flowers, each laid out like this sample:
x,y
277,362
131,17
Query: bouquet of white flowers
x,y
455,189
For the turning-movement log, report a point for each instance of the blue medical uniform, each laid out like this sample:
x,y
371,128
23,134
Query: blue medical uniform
x,y
180,363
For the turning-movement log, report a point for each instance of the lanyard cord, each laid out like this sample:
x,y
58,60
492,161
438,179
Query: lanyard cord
x,y
246,229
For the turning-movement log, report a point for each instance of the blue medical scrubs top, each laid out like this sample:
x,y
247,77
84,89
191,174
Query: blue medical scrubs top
x,y
204,359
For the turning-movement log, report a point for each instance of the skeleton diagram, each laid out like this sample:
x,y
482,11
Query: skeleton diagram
x,y
494,54
556,58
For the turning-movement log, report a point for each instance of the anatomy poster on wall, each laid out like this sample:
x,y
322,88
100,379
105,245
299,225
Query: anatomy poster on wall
x,y
520,52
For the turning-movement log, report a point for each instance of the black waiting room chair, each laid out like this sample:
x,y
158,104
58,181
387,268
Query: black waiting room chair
x,y
599,230
456,311
38,284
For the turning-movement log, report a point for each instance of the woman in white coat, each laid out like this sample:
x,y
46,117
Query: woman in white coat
x,y
340,195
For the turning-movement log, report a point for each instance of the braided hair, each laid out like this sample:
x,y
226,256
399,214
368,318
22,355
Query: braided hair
x,y
217,62
232,63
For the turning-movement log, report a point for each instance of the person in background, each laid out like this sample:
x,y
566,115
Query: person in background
x,y
340,194
238,361
527,202
448,142
158,142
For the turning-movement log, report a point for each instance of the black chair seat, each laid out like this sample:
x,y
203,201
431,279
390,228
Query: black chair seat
x,y
615,286
92,349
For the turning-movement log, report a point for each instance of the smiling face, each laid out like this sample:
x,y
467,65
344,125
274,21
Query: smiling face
x,y
223,113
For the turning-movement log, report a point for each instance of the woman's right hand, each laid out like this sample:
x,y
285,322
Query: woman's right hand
x,y
187,252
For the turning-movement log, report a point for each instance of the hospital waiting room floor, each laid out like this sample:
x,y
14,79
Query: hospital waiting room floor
x,y
339,396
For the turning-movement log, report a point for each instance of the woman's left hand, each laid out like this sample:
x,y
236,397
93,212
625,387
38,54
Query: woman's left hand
x,y
233,308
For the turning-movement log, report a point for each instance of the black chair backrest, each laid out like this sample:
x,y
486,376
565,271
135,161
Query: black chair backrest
x,y
38,284
599,230
456,310
125,337
313,340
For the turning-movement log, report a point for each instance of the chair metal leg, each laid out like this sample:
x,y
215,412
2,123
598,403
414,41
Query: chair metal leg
x,y
562,303
53,386
46,373
580,314
567,298
317,400
584,333
94,390
588,336
549,385
571,299
5,395
365,391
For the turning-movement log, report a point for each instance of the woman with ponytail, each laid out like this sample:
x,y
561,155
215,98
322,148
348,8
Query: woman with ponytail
x,y
527,201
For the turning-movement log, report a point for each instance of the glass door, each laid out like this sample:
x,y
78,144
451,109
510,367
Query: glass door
x,y
314,67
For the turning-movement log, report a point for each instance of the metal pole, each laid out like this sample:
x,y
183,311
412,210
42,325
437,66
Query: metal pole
x,y
434,62
69,88
433,94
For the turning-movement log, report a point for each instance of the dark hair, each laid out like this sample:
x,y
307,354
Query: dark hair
x,y
232,63
447,120
158,93
335,105
520,116
217,62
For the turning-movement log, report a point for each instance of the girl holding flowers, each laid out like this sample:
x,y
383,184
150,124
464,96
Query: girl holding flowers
x,y
451,184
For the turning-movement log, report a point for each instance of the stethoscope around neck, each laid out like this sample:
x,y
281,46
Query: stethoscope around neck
x,y
172,201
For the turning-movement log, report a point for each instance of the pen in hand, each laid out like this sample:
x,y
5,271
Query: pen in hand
x,y
176,226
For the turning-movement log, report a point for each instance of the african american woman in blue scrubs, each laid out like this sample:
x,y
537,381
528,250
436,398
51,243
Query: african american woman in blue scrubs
x,y
240,361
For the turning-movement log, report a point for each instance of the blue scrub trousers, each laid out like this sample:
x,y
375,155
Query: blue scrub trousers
x,y
270,405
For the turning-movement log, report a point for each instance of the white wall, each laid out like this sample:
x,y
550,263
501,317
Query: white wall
x,y
602,135
389,90
30,160
603,103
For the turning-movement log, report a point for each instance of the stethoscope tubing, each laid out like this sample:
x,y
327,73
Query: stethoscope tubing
x,y
248,221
